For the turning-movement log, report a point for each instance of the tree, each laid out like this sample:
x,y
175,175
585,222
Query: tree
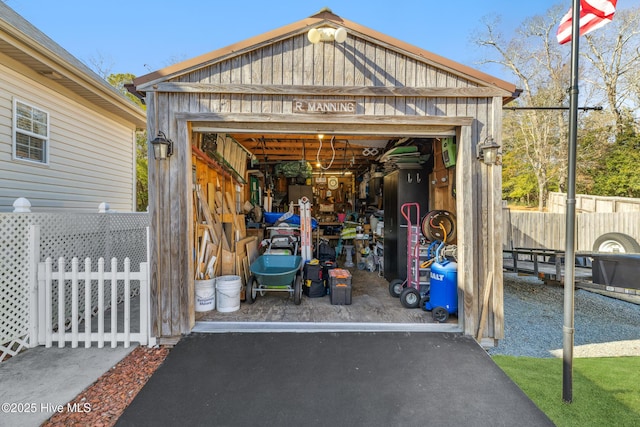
x,y
608,154
540,67
142,172
620,175
594,148
119,81
101,65
518,184
613,54
609,76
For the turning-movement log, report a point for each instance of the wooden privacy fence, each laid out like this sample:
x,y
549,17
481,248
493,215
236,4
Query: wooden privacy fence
x,y
557,203
86,321
524,229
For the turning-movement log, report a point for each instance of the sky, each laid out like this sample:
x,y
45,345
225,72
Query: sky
x,y
141,36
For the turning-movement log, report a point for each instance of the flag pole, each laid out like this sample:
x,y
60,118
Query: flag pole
x,y
569,260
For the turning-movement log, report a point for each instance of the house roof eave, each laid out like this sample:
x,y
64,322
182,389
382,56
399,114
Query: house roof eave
x,y
40,53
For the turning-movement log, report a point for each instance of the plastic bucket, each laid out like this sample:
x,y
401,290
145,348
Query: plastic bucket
x,y
228,293
205,295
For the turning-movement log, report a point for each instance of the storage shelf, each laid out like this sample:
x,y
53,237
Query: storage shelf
x,y
322,236
327,236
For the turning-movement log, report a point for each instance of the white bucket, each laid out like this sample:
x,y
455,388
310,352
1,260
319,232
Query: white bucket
x,y
205,295
228,293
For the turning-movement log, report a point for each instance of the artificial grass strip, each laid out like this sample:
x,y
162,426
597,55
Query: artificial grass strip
x,y
606,391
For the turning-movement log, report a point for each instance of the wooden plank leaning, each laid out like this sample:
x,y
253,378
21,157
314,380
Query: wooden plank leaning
x,y
216,219
231,208
210,245
215,237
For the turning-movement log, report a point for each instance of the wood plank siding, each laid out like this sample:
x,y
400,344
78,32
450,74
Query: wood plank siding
x,y
399,91
91,159
261,81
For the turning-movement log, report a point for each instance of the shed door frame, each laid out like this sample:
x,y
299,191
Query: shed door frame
x,y
393,126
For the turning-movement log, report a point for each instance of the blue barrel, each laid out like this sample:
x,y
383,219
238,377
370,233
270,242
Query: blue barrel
x,y
444,286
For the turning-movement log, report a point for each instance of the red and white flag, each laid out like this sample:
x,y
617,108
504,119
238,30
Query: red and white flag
x,y
593,15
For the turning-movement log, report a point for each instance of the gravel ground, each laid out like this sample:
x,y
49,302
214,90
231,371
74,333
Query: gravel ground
x,y
534,315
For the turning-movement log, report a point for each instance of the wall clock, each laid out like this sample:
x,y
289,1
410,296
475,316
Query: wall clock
x,y
332,183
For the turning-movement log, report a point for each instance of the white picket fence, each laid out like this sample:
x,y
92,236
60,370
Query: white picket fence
x,y
85,287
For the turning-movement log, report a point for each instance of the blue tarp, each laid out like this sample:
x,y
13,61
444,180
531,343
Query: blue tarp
x,y
273,217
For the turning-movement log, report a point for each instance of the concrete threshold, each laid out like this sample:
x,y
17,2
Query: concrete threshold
x,y
222,327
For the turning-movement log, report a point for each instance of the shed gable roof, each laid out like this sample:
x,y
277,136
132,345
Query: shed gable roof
x,y
324,18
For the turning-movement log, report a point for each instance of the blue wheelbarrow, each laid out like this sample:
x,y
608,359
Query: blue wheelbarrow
x,y
275,273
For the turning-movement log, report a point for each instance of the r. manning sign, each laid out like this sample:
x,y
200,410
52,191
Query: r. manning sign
x,y
324,106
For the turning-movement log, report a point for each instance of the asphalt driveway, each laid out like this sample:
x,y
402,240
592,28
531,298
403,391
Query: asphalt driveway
x,y
330,379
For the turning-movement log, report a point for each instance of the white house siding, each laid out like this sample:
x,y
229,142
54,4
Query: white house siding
x,y
91,156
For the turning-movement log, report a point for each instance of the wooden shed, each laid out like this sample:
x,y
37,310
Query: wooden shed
x,y
381,88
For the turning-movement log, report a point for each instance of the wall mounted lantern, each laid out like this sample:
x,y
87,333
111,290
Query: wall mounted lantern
x,y
327,34
162,147
488,151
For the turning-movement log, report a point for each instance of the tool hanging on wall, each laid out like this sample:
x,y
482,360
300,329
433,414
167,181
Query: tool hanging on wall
x,y
448,152
432,222
333,153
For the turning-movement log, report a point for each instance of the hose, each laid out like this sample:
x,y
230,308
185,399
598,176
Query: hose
x,y
427,263
439,225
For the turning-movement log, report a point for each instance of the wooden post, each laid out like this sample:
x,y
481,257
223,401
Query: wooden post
x,y
485,305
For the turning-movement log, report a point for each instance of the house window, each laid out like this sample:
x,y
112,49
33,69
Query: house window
x,y
30,133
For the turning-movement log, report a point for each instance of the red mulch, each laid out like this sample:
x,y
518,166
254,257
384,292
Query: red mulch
x,y
102,403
